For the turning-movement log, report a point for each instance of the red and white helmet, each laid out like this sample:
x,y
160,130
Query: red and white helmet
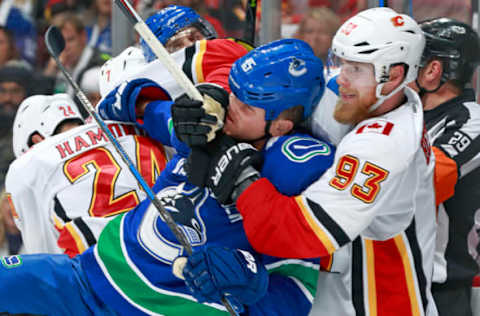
x,y
41,114
116,69
382,37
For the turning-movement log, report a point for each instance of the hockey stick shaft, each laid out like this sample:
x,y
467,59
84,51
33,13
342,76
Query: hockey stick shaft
x,y
156,46
250,21
142,28
55,44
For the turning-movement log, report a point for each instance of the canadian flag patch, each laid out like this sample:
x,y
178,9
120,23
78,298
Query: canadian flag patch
x,y
379,127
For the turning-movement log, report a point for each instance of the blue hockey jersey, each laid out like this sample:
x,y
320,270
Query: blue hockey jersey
x,y
130,267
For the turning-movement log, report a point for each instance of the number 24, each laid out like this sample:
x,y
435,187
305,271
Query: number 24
x,y
347,169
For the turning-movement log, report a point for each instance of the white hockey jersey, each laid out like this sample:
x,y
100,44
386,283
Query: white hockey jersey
x,y
371,217
387,268
205,61
66,188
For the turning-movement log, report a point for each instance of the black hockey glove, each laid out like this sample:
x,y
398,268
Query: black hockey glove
x,y
198,161
232,171
196,122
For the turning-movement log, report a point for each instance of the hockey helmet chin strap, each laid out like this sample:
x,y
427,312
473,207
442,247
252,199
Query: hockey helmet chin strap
x,y
422,91
382,98
266,134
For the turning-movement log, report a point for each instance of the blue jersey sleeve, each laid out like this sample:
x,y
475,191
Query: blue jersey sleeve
x,y
158,124
298,157
283,297
291,288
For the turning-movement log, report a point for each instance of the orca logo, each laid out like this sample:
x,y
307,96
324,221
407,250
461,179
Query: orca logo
x,y
184,207
297,67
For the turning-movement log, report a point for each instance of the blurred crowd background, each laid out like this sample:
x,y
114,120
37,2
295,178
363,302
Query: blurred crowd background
x,y
27,69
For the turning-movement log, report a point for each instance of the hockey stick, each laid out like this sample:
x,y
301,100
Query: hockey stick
x,y
156,46
250,21
55,44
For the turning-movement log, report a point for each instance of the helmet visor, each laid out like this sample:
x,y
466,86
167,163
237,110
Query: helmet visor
x,y
362,74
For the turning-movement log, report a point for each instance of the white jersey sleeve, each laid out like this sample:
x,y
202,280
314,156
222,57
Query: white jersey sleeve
x,y
383,167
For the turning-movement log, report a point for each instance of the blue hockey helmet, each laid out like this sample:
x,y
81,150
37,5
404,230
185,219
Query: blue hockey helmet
x,y
278,76
171,20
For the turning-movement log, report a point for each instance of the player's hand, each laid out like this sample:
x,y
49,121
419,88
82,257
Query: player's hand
x,y
215,271
232,170
120,104
196,122
200,157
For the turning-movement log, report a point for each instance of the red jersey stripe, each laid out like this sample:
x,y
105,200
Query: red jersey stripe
x,y
390,278
316,228
71,241
282,234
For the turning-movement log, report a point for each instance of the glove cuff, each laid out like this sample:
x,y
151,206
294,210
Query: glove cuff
x,y
244,180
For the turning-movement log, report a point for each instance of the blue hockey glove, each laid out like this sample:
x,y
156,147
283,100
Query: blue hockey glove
x,y
215,271
120,103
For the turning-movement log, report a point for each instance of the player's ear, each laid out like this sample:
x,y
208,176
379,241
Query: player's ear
x,y
37,138
281,127
433,71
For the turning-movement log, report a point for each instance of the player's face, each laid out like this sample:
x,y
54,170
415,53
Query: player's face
x,y
356,92
244,122
185,38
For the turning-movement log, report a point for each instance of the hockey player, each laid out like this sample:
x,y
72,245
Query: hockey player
x,y
72,182
176,27
298,153
373,211
197,56
138,279
452,119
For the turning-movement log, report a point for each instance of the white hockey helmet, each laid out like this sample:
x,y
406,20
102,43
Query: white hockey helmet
x,y
116,69
384,38
41,114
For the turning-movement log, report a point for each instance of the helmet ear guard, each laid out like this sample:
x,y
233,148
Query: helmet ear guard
x,y
279,76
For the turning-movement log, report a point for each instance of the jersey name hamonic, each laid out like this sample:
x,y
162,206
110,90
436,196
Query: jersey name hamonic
x,y
65,189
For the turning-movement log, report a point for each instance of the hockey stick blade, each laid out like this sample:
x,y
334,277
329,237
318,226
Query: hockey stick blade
x,y
54,41
250,21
